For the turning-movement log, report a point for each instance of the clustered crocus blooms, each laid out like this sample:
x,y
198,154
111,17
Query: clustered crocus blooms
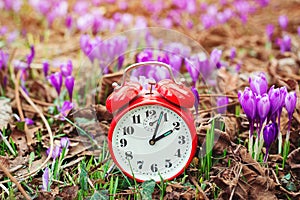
x,y
284,43
11,5
56,79
262,106
104,51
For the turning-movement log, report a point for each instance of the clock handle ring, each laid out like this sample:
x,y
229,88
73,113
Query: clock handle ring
x,y
135,65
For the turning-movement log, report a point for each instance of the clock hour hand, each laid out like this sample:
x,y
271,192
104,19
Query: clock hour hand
x,y
152,141
163,135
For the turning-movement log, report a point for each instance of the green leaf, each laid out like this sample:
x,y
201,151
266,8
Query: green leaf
x,y
147,189
291,186
20,125
99,195
83,178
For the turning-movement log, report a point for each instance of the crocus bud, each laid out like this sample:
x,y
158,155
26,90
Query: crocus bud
x,y
298,30
69,82
284,43
232,53
222,102
64,142
283,21
248,103
56,81
196,103
65,109
275,100
270,133
55,153
29,121
30,56
45,178
45,68
66,68
263,106
215,57
290,103
259,84
269,31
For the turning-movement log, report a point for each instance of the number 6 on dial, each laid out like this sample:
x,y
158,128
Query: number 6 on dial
x,y
152,134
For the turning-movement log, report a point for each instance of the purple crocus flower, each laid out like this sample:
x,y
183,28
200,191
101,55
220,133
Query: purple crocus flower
x,y
215,57
64,142
30,57
55,153
285,43
66,68
208,21
270,31
69,82
45,178
263,108
192,66
69,22
29,121
270,133
290,103
248,102
45,68
3,60
259,84
283,21
197,99
275,101
56,81
222,102
65,109
232,53
298,30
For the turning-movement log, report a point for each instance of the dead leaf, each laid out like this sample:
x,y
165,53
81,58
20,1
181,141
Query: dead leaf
x,y
69,192
19,138
5,112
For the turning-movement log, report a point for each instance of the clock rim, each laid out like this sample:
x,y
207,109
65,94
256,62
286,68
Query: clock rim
x,y
185,114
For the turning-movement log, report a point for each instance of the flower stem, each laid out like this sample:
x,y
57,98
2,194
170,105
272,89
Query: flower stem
x,y
250,144
279,136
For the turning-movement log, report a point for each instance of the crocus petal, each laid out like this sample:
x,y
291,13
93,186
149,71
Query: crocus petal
x,y
259,84
222,101
69,82
64,142
290,102
270,133
45,178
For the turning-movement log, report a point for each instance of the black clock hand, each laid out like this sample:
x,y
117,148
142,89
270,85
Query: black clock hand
x,y
152,141
163,135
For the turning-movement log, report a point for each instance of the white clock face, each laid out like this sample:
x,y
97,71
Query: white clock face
x,y
152,141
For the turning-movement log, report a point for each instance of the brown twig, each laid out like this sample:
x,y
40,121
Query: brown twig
x,y
215,108
19,107
193,180
14,180
48,129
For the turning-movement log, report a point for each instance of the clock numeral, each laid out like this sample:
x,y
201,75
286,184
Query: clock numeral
x,y
150,113
181,139
123,142
140,164
176,125
178,154
154,168
168,163
128,155
136,119
128,130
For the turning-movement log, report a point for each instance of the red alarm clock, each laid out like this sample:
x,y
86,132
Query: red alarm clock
x,y
152,134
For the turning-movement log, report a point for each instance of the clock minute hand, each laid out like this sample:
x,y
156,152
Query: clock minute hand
x,y
163,135
152,141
